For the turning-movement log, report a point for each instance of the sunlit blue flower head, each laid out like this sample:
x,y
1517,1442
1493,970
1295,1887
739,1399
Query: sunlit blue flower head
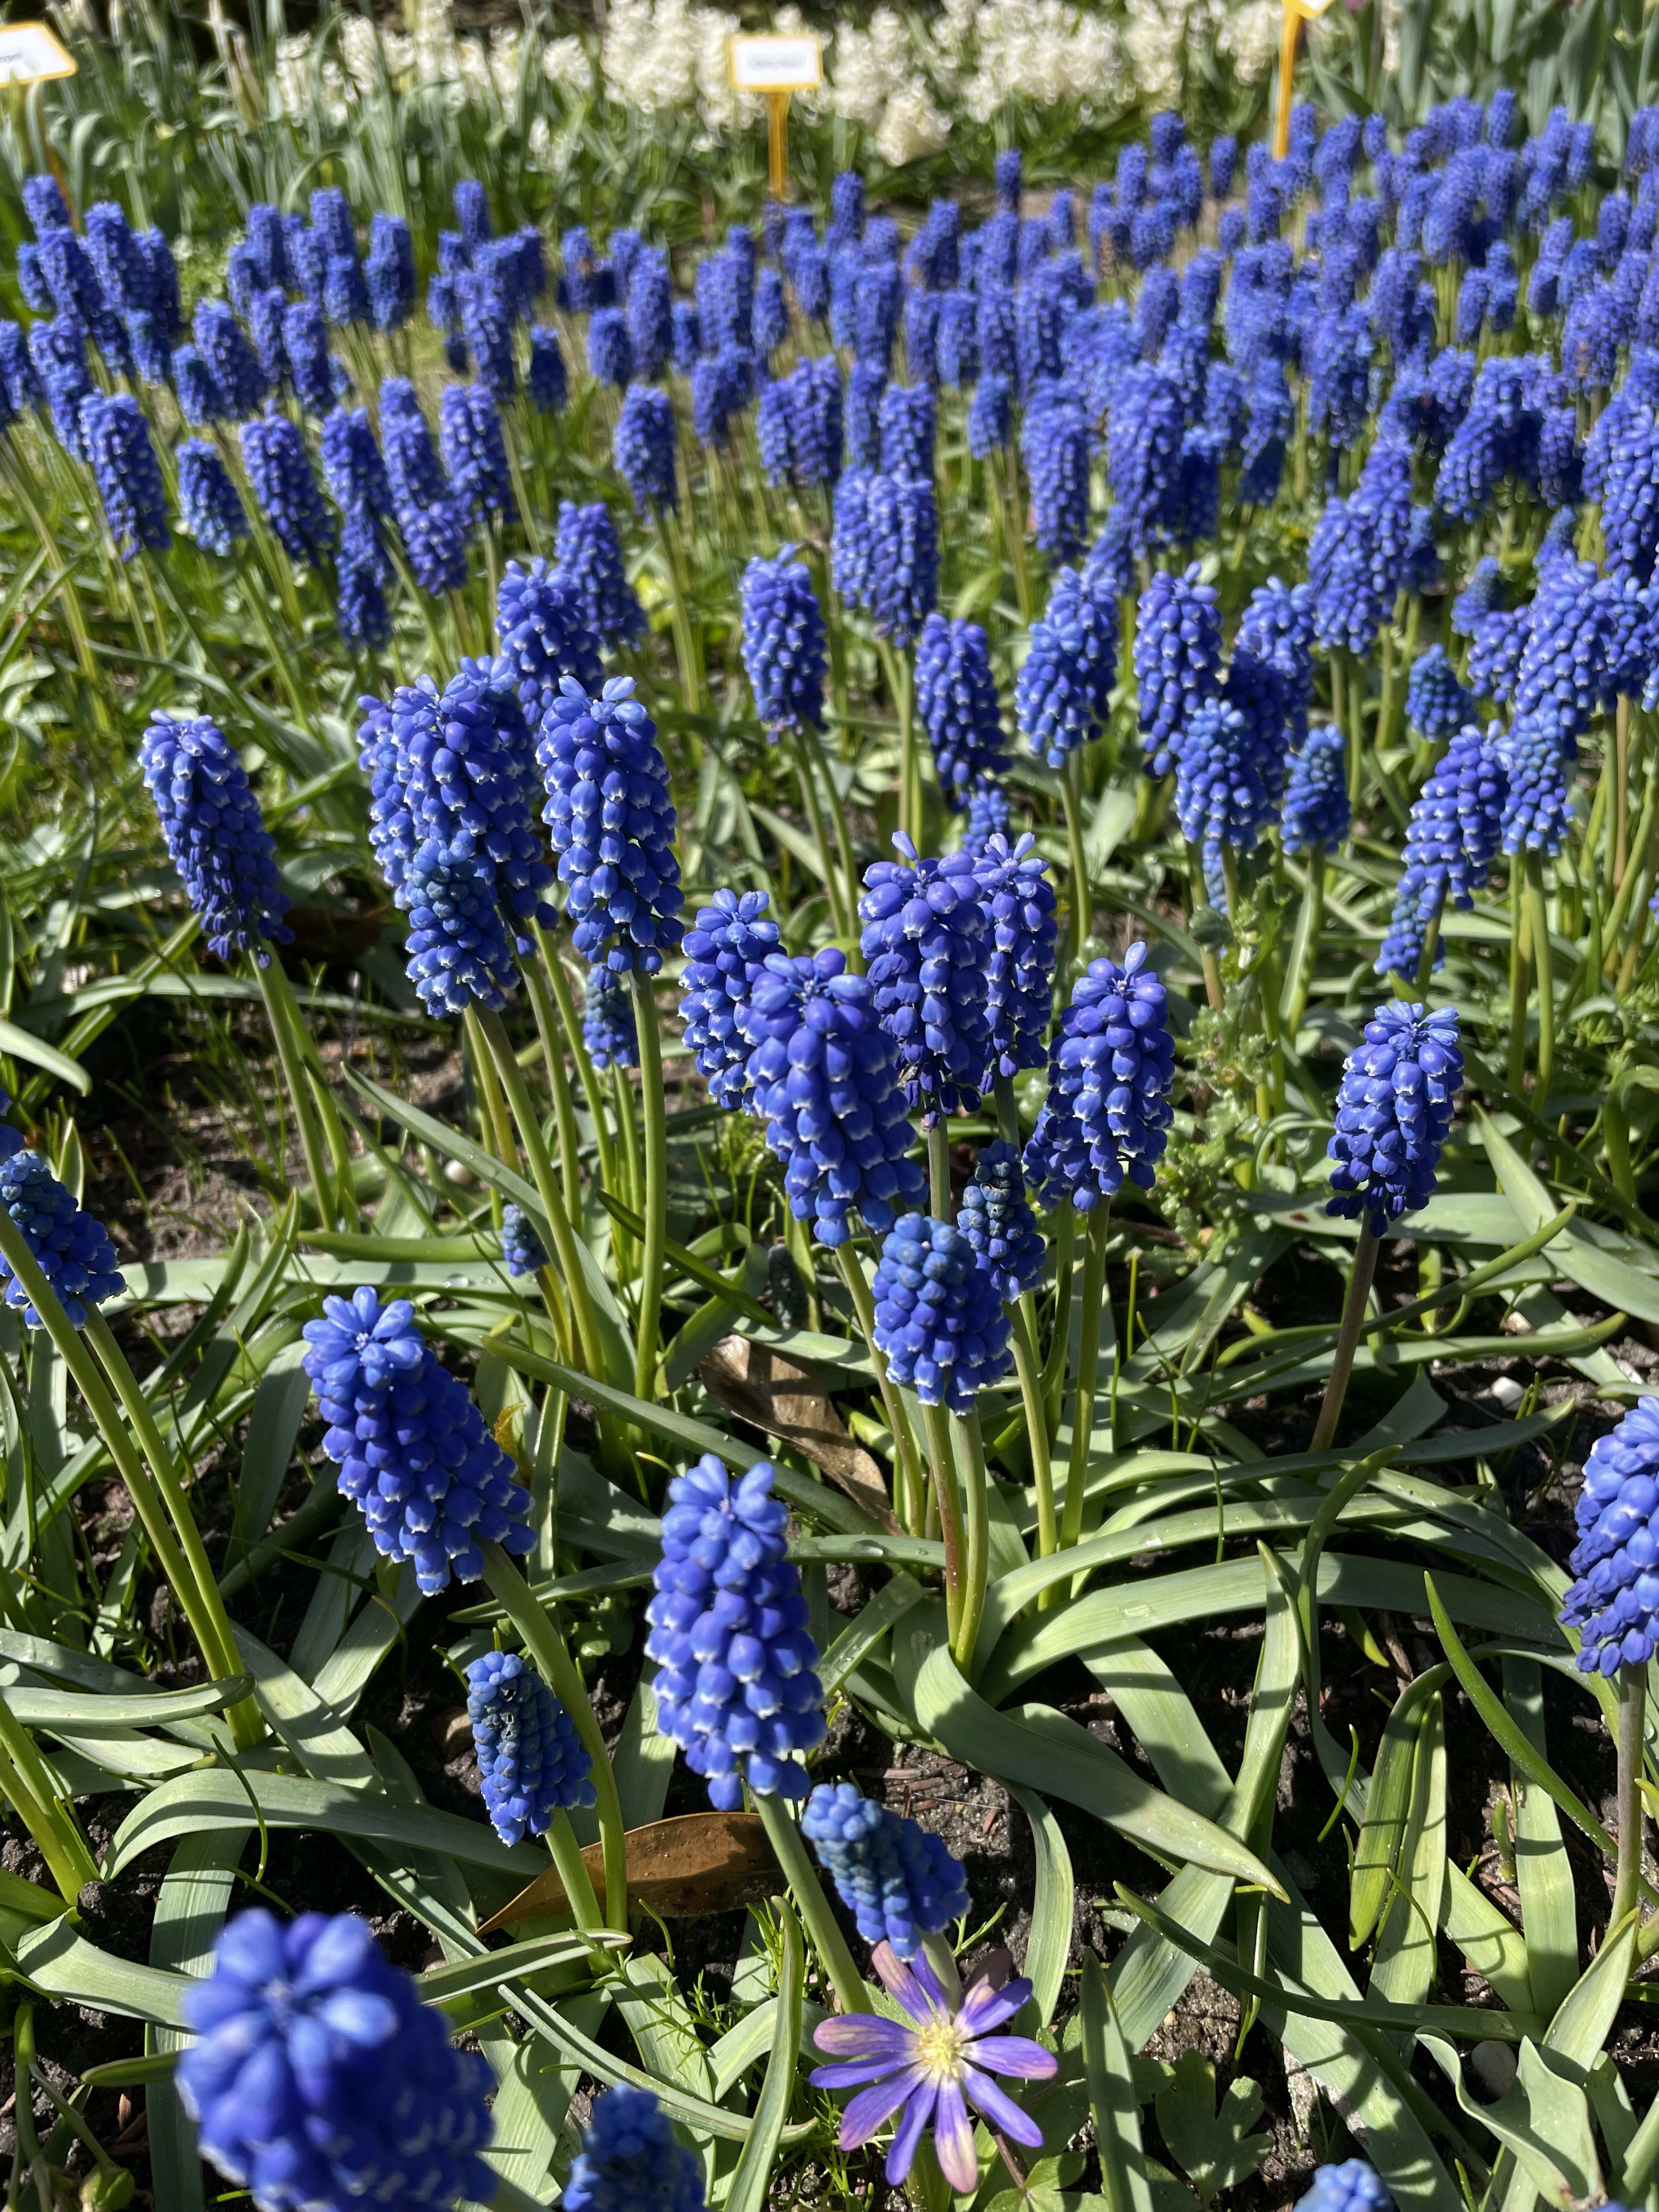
x,y
725,949
411,1446
1614,1599
825,1077
318,2075
737,1686
997,1219
1177,661
209,506
1456,825
127,474
211,822
1437,704
474,449
1316,810
957,700
1018,902
589,556
521,1246
784,648
899,1882
540,623
939,1323
279,469
1110,1072
610,1032
613,826
1394,1112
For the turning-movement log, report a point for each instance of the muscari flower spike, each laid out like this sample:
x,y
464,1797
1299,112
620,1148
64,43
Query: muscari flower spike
x,y
1456,821
939,1322
1437,704
589,556
1316,810
610,1032
956,700
215,836
72,1248
736,1685
540,622
1062,694
285,487
1018,902
128,475
532,1763
412,1450
725,950
784,648
1177,661
1394,1111
929,2067
521,1247
997,1219
1352,2186
613,825
898,1882
318,2078
631,2160
211,507
1110,1072
825,1076
926,941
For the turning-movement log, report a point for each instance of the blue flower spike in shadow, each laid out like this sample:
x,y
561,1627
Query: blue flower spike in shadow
x,y
532,1763
927,2068
1352,2186
898,1882
318,2078
631,2162
71,1249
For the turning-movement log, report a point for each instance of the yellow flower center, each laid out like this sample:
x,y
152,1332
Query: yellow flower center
x,y
940,2049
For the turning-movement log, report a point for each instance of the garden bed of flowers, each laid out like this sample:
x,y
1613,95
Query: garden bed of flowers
x,y
828,1046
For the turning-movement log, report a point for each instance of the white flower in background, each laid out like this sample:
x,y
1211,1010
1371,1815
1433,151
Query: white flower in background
x,y
567,62
1155,35
912,126
1249,36
1043,53
293,75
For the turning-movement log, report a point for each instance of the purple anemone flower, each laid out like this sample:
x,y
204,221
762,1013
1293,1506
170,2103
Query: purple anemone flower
x,y
932,2071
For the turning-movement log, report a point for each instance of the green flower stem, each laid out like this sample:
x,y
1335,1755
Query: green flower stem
x,y
553,967
498,1131
938,1171
896,667
970,1460
1632,1704
688,640
1347,1340
812,744
1026,1366
1088,1370
1620,790
1431,945
835,1955
1538,915
1201,897
1053,1371
1071,800
907,1460
279,1010
24,1779
547,1188
653,1110
1615,1143
546,1646
1304,953
564,1107
833,886
948,1499
572,1869
1519,979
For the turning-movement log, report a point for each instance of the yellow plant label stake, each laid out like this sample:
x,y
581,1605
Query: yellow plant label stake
x,y
1297,13
776,64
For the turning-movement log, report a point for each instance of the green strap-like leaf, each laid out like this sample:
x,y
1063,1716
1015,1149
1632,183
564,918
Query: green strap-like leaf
x,y
752,2179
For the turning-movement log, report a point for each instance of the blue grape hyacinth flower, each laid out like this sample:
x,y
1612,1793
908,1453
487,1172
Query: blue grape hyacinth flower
x,y
72,1248
413,1451
930,2066
1437,704
784,643
725,950
997,1219
610,1032
956,700
521,1246
939,1322
215,836
1018,902
458,952
543,633
1352,2186
898,1882
589,556
1614,1599
927,941
128,475
211,507
613,825
825,1079
643,448
631,2160
1110,1072
737,1686
1451,838
532,1763
285,487
318,2077
1317,810
1062,694
1177,662
1394,1112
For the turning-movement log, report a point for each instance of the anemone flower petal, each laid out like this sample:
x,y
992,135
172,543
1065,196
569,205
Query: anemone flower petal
x,y
905,1990
864,2035
1015,2054
953,2140
853,2070
917,2113
873,2107
999,2108
984,2008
